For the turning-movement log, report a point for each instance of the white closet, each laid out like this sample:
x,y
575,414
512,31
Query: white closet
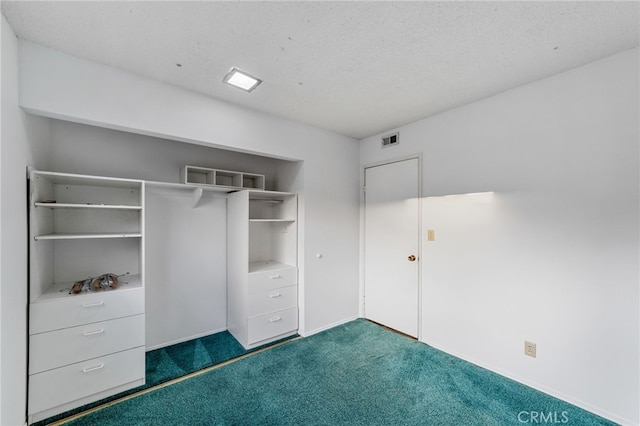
x,y
262,286
85,346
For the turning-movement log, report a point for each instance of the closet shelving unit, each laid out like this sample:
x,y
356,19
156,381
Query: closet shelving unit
x,y
86,346
262,267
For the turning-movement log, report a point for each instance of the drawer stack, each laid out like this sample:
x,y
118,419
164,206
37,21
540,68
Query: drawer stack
x,y
272,304
83,348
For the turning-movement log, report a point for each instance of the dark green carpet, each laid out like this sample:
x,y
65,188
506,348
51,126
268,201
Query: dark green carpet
x,y
175,361
355,374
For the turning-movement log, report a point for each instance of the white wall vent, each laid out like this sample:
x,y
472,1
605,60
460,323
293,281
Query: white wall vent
x,y
391,140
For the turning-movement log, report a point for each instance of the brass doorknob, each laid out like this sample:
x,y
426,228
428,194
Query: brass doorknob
x,y
412,258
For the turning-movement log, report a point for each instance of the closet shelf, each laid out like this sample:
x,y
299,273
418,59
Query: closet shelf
x,y
87,236
87,206
267,265
262,200
61,289
256,194
188,186
272,220
269,196
87,180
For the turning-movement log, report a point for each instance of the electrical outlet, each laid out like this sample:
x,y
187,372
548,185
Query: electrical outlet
x,y
431,235
530,349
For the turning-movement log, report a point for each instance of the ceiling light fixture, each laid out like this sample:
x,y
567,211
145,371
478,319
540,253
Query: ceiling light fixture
x,y
241,80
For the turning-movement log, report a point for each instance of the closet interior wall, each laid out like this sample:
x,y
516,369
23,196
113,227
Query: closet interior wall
x,y
186,272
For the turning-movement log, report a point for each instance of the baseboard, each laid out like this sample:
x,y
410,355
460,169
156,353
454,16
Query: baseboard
x,y
326,327
173,342
544,389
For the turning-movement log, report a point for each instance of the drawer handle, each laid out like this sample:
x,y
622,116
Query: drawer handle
x,y
275,319
91,333
273,296
94,368
92,305
275,277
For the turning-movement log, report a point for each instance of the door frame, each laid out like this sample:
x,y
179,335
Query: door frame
x,y
417,156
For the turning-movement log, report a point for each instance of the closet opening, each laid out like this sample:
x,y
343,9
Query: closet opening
x,y
184,236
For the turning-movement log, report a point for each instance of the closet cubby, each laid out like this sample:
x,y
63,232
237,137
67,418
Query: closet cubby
x,y
198,176
225,178
251,181
272,206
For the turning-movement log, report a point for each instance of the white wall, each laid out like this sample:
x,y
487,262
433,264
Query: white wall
x,y
79,148
186,266
551,255
24,142
56,85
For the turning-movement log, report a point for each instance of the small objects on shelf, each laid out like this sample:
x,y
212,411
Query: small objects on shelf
x,y
78,286
102,282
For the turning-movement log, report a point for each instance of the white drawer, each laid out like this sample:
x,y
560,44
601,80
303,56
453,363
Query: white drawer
x,y
61,385
84,309
271,325
70,345
274,300
274,278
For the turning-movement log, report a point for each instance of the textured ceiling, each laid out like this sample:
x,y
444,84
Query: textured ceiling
x,y
355,68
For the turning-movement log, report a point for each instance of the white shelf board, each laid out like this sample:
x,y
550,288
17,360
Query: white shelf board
x,y
271,220
61,290
87,236
87,206
73,179
267,265
255,194
190,186
260,194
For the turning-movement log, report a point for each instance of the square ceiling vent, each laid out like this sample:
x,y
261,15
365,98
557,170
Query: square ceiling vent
x,y
391,140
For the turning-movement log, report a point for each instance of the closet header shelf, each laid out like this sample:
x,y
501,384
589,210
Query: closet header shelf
x,y
182,186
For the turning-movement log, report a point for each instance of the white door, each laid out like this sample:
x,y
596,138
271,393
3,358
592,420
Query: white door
x,y
392,232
